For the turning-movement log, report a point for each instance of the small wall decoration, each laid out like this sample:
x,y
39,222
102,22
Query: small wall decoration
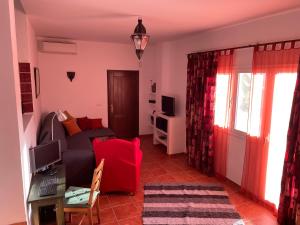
x,y
37,82
152,95
71,75
153,86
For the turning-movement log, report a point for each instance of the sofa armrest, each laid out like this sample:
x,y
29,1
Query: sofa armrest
x,y
79,141
80,164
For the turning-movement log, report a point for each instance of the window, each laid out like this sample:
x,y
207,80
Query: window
x,y
221,104
248,103
281,110
256,103
242,102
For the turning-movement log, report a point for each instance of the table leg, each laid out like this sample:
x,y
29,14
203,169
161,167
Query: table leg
x,y
35,214
60,218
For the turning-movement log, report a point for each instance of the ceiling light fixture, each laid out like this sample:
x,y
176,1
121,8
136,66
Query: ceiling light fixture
x,y
140,38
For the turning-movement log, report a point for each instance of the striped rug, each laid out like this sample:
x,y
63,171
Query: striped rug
x,y
203,204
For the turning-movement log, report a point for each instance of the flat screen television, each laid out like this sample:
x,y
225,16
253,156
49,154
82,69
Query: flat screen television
x,y
168,105
43,156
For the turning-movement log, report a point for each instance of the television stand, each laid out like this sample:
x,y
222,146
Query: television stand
x,y
169,115
169,131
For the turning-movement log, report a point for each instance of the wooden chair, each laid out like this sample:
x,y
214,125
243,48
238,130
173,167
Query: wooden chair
x,y
82,200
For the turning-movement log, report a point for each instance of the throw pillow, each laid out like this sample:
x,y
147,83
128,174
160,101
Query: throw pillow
x,y
83,123
71,127
95,123
61,116
70,117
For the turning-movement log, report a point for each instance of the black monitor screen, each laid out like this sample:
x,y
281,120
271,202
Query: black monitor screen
x,y
168,105
45,155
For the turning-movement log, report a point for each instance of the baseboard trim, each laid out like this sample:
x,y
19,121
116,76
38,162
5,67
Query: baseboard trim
x,y
20,223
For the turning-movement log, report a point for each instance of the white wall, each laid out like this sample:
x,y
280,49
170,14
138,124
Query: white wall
x,y
174,54
21,31
11,192
148,72
27,52
86,95
31,129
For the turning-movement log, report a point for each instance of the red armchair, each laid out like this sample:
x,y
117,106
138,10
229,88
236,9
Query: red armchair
x,y
122,164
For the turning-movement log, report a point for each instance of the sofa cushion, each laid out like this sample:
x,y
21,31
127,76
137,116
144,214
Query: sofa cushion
x,y
82,123
103,132
71,126
80,164
78,197
79,141
94,123
70,117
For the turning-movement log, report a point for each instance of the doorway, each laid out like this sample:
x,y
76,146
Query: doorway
x,y
123,102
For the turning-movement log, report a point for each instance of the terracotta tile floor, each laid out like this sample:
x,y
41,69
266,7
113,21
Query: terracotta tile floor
x,y
122,209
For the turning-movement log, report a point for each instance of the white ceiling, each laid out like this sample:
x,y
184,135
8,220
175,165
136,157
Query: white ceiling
x,y
114,20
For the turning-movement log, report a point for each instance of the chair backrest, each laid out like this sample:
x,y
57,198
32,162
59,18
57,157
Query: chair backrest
x,y
118,149
96,180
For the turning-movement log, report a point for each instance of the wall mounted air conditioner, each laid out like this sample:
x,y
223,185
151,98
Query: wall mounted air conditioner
x,y
58,47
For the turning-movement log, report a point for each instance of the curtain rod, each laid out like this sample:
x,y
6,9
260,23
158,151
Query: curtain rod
x,y
246,46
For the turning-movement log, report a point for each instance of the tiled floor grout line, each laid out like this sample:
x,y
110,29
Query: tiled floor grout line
x,y
116,219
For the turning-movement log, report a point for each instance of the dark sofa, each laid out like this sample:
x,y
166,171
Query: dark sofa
x,y
77,151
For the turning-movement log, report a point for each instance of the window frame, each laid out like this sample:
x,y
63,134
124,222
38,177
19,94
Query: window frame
x,y
234,95
233,99
236,100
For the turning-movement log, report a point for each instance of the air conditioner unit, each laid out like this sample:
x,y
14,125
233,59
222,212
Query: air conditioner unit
x,y
58,47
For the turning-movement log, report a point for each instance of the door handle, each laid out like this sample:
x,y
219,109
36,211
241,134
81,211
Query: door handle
x,y
111,108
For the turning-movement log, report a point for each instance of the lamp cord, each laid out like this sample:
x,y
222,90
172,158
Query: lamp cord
x,y
52,126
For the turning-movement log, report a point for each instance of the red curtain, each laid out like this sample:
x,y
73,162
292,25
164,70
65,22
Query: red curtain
x,y
225,68
268,60
201,82
290,183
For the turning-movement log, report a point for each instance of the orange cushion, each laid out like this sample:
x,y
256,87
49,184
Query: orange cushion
x,y
71,126
70,117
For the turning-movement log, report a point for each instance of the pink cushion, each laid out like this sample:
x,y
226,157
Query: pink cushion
x,y
122,164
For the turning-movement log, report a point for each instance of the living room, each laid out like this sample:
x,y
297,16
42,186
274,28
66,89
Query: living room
x,y
97,30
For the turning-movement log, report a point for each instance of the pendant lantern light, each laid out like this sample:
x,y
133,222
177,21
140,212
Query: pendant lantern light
x,y
140,38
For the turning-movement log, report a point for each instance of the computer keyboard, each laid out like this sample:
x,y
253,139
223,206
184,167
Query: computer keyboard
x,y
49,180
48,186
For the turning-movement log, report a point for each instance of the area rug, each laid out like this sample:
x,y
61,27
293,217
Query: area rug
x,y
203,204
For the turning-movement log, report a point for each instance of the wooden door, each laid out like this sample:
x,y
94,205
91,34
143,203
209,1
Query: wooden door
x,y
123,102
